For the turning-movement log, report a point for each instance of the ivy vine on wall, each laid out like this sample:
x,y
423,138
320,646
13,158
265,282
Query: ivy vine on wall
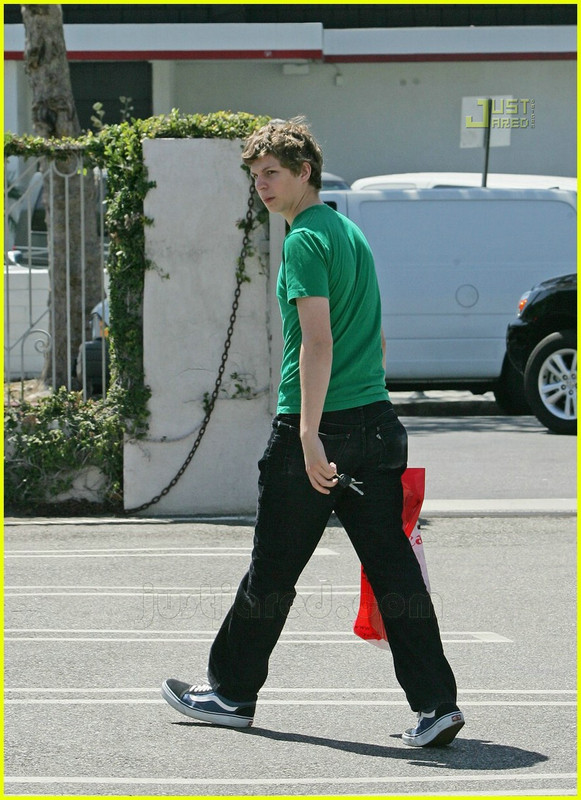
x,y
118,150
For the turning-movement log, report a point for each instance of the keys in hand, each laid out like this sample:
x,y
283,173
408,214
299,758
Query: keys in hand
x,y
347,481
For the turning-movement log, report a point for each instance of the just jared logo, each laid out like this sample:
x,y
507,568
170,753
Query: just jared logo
x,y
504,113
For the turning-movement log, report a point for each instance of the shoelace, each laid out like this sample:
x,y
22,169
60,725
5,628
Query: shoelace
x,y
199,688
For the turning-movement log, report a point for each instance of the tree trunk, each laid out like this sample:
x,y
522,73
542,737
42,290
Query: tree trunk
x,y
54,116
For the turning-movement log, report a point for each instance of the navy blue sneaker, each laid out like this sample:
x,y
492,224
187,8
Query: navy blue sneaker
x,y
435,728
202,702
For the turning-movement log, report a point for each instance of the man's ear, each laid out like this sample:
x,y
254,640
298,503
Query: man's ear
x,y
306,171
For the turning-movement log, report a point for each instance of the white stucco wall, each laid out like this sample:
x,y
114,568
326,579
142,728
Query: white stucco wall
x,y
200,195
397,117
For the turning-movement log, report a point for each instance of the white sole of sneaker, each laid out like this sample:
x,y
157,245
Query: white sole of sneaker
x,y
214,717
442,732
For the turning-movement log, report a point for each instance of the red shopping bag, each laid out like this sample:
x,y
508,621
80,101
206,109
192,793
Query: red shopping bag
x,y
369,624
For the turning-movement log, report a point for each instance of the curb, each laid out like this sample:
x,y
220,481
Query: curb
x,y
523,507
445,404
444,409
495,507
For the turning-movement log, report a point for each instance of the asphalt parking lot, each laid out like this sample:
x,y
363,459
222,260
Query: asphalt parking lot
x,y
99,614
100,610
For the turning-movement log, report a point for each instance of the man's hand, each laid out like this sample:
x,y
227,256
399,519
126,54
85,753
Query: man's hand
x,y
321,473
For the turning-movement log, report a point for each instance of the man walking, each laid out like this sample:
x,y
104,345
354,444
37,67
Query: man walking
x,y
334,416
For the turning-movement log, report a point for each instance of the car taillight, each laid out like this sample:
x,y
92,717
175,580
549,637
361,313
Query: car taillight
x,y
98,328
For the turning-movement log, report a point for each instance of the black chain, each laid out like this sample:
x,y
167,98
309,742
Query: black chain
x,y
240,278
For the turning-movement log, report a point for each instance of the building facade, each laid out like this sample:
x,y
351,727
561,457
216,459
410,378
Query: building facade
x,y
386,88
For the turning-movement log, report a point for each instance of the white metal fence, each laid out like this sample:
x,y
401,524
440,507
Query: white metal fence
x,y
31,264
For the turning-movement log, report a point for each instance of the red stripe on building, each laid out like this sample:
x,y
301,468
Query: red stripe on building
x,y
314,55
178,55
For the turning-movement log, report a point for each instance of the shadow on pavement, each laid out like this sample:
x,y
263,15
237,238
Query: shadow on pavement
x,y
473,424
465,754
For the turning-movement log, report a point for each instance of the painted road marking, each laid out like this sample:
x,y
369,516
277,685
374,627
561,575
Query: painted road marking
x,y
322,585
286,690
149,552
204,636
313,781
138,695
326,589
88,701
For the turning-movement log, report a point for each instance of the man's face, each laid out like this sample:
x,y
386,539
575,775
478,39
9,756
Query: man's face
x,y
280,190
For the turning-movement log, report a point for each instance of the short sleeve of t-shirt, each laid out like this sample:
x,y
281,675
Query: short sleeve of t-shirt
x,y
306,260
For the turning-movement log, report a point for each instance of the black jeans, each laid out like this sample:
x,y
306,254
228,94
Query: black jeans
x,y
370,444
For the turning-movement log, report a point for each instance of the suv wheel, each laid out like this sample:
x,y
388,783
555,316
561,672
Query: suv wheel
x,y
551,382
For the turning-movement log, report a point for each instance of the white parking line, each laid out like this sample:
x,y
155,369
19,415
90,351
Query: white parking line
x,y
213,521
148,552
205,636
131,700
312,781
354,640
139,696
198,549
323,585
145,631
287,690
325,589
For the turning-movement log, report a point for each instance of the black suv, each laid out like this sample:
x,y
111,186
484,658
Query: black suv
x,y
542,344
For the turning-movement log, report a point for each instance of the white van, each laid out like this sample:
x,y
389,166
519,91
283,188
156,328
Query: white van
x,y
447,180
452,265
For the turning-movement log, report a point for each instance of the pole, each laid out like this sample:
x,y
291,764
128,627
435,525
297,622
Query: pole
x,y
487,139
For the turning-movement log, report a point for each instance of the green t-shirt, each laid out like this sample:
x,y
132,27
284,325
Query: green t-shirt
x,y
326,255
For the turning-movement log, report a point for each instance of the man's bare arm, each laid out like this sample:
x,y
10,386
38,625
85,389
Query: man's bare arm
x,y
316,357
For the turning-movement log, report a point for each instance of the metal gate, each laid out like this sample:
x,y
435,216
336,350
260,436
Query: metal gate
x,y
31,267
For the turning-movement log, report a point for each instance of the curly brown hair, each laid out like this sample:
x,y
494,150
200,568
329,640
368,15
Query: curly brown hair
x,y
291,142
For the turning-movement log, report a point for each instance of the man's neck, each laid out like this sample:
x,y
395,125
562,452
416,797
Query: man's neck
x,y
310,198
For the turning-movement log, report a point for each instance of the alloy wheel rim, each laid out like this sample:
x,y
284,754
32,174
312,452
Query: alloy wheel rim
x,y
558,383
